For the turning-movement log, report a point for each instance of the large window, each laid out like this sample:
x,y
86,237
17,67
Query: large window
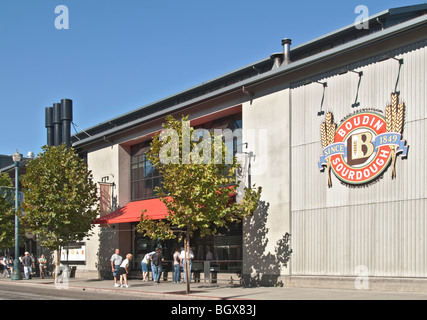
x,y
144,177
231,127
225,247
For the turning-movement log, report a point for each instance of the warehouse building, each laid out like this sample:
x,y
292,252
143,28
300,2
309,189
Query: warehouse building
x,y
333,130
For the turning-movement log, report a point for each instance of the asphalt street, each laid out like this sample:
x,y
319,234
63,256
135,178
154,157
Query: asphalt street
x,y
100,299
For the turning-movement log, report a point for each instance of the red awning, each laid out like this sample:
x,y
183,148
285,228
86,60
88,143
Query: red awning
x,y
155,209
131,212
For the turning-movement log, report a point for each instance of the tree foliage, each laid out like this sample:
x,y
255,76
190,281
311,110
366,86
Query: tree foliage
x,y
60,200
7,211
197,186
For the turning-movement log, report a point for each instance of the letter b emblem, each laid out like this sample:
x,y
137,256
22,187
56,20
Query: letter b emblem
x,y
359,148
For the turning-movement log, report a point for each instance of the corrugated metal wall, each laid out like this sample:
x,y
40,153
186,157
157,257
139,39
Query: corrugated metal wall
x,y
382,226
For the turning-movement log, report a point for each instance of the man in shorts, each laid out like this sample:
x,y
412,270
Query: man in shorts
x,y
116,260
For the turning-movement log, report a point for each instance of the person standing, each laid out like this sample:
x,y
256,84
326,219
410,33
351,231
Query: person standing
x,y
116,261
42,266
28,263
182,257
124,270
177,266
209,255
156,264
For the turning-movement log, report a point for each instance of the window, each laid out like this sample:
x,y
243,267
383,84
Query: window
x,y
231,127
144,177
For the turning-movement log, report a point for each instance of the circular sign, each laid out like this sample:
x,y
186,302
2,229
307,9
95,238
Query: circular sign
x,y
362,158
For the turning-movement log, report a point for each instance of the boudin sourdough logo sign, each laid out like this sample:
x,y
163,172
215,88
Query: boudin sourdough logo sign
x,y
360,149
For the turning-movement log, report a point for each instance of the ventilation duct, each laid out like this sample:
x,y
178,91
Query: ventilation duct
x,y
286,43
66,117
277,60
49,125
58,123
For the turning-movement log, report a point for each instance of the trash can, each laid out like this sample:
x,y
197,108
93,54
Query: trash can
x,y
73,271
214,274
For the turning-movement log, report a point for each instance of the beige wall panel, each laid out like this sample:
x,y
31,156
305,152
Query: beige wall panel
x,y
99,247
381,226
266,129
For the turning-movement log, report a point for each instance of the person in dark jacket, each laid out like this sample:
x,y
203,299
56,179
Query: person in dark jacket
x,y
156,264
28,264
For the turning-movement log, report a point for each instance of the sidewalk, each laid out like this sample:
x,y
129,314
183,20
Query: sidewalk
x,y
219,291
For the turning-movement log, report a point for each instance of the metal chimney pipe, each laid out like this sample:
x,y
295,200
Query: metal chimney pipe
x,y
66,117
277,57
57,124
49,125
286,43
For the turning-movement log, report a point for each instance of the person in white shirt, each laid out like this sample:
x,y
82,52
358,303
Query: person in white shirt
x,y
116,260
124,269
183,263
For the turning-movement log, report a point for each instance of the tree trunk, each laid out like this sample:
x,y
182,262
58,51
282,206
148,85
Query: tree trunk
x,y
187,261
56,257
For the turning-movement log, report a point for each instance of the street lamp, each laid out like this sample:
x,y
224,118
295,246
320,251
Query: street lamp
x,y
17,275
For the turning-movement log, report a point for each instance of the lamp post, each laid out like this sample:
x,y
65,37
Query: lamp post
x,y
17,275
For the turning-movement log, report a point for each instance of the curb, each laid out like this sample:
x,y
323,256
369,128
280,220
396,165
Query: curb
x,y
124,291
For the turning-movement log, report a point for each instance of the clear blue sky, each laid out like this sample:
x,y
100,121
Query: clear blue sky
x,y
117,56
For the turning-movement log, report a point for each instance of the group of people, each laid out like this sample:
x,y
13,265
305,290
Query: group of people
x,y
180,260
28,263
155,259
120,268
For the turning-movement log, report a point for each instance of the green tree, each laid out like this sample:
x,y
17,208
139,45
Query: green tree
x,y
60,199
7,211
196,187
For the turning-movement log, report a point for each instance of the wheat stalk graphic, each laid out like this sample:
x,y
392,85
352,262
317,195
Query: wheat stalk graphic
x,y
395,116
327,134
